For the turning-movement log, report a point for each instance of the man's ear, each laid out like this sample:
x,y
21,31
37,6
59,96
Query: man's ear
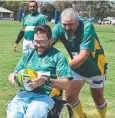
x,y
51,39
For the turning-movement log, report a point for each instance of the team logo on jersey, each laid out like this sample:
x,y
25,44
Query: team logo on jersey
x,y
29,64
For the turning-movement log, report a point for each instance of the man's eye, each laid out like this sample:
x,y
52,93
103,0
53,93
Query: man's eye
x,y
32,6
64,24
42,42
67,24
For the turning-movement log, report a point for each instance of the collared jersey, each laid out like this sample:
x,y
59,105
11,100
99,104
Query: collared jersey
x,y
85,38
51,65
29,23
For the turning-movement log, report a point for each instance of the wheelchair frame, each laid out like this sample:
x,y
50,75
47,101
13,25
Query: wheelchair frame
x,y
58,109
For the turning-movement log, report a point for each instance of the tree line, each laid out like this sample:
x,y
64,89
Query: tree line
x,y
95,9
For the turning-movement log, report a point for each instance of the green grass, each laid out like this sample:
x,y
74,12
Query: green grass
x,y
8,34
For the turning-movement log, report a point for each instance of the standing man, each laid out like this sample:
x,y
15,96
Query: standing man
x,y
88,61
29,22
46,61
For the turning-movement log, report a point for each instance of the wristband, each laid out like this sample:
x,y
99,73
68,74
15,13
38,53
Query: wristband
x,y
47,81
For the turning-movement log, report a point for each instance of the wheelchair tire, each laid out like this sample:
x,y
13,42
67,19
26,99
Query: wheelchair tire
x,y
58,110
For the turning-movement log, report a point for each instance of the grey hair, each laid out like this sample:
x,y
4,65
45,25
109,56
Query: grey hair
x,y
70,13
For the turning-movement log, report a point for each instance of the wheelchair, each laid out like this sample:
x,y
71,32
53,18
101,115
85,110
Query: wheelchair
x,y
61,109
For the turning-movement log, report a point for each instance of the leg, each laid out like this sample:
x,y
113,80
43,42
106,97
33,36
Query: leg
x,y
97,94
14,110
97,89
16,107
39,106
72,95
31,46
27,46
98,97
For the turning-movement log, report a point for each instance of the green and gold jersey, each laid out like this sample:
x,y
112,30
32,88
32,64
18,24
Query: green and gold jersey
x,y
51,65
29,23
85,38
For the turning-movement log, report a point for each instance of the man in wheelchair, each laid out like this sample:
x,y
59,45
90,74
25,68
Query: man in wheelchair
x,y
42,92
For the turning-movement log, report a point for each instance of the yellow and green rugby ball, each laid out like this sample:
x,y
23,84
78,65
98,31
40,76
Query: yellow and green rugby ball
x,y
24,77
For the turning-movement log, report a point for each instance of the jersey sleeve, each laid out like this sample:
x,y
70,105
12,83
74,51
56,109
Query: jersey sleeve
x,y
23,25
57,32
62,67
87,42
43,20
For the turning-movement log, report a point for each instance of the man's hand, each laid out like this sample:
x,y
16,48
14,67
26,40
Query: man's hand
x,y
11,79
37,82
15,48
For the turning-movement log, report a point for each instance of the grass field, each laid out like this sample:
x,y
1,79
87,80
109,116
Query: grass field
x,y
8,34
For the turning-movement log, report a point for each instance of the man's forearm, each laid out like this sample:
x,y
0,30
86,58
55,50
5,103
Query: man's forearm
x,y
59,83
77,62
19,37
79,59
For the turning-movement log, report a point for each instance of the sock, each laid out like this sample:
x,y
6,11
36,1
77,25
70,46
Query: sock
x,y
77,108
102,110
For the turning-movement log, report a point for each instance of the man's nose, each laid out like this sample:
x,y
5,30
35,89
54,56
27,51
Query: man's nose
x,y
67,28
39,46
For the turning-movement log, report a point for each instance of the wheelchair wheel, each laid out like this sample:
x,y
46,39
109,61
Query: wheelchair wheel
x,y
66,111
62,109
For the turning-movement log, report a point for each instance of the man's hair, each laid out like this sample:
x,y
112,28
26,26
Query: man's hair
x,y
44,29
34,1
70,13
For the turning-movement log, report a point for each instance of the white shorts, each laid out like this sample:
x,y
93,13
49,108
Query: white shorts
x,y
94,82
27,46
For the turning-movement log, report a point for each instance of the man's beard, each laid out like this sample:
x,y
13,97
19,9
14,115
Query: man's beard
x,y
43,51
69,36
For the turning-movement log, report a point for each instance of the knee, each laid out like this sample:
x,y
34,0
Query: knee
x,y
71,95
40,112
13,111
71,98
27,117
99,100
36,115
74,90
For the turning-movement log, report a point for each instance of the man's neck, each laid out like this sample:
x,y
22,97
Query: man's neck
x,y
33,14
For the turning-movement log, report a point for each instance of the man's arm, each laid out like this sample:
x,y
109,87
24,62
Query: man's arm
x,y
56,32
11,79
19,66
59,83
79,59
54,83
19,37
86,47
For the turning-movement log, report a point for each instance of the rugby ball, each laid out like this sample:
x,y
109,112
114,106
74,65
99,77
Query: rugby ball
x,y
24,77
